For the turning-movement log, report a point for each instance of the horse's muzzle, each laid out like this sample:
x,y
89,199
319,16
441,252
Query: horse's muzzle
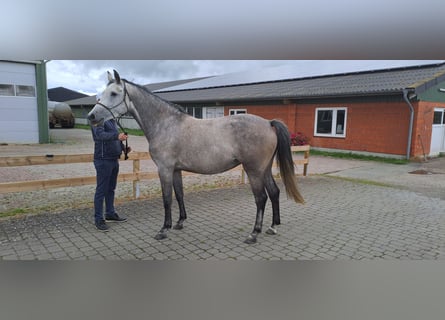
x,y
93,121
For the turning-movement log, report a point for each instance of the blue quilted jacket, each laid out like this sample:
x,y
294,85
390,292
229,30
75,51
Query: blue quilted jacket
x,y
107,146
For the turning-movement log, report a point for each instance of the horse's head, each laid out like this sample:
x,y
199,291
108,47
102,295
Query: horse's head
x,y
112,102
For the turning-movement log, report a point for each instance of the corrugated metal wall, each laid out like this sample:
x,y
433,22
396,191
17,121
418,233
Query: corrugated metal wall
x,y
18,114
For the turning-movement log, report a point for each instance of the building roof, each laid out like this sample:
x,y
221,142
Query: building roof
x,y
62,94
288,72
170,84
91,100
88,100
374,82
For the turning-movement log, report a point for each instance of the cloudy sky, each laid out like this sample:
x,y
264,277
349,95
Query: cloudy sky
x,y
89,76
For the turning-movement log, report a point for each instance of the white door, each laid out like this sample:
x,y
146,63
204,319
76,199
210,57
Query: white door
x,y
18,103
438,132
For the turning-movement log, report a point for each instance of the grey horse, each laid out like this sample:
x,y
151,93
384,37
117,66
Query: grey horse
x,y
178,141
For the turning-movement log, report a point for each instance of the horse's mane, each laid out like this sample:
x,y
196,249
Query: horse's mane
x,y
174,105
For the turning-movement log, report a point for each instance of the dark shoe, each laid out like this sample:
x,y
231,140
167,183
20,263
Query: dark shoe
x,y
115,218
102,226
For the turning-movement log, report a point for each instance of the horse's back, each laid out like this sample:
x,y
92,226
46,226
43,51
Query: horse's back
x,y
246,136
244,129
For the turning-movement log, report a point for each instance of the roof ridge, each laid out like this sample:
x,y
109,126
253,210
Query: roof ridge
x,y
423,81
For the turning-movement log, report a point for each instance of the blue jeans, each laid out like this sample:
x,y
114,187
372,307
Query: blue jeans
x,y
106,181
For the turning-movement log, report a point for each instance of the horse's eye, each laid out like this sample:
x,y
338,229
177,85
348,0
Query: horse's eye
x,y
113,94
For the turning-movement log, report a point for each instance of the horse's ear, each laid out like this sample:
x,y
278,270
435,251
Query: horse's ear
x,y
110,77
117,77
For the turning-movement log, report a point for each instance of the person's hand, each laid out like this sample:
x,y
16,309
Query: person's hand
x,y
122,137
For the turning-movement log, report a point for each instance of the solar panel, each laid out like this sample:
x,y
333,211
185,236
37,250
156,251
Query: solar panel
x,y
296,70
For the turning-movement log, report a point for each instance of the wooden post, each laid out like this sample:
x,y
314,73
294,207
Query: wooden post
x,y
306,157
243,176
136,169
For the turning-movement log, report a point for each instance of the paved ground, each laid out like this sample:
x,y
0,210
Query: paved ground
x,y
355,210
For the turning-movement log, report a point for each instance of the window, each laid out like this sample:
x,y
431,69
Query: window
x,y
20,90
237,111
194,112
438,117
25,91
213,112
7,90
205,112
330,122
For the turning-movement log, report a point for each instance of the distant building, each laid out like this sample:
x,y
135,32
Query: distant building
x,y
61,94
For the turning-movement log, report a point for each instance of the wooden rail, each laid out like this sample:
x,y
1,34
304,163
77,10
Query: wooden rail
x,y
305,161
135,176
8,187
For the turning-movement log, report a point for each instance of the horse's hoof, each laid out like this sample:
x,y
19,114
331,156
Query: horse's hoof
x,y
161,236
271,231
178,226
250,239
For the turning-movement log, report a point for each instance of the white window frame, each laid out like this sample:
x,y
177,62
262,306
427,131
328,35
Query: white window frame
x,y
442,119
193,113
206,112
25,90
4,92
334,122
237,111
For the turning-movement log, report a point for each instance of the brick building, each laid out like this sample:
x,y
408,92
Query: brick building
x,y
398,112
393,112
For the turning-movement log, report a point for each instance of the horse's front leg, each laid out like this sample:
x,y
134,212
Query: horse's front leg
x,y
166,178
179,193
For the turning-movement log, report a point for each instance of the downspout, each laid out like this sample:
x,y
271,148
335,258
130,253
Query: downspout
x,y
411,122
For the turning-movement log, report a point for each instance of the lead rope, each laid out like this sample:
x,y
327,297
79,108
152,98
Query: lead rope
x,y
118,122
126,140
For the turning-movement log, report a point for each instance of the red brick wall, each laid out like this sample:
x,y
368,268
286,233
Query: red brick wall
x,y
380,127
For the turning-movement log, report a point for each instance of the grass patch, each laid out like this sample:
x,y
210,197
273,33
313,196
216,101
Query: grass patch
x,y
355,156
133,132
12,212
82,126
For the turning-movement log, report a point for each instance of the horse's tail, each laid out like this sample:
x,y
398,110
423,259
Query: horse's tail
x,y
285,161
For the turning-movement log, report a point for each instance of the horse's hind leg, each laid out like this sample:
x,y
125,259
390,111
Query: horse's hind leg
x,y
274,194
257,185
179,193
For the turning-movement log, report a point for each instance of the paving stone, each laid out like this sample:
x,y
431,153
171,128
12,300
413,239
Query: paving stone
x,y
45,256
342,220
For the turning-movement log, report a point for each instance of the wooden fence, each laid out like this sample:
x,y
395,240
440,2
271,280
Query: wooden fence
x,y
135,176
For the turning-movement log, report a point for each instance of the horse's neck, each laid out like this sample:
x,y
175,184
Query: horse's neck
x,y
151,113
